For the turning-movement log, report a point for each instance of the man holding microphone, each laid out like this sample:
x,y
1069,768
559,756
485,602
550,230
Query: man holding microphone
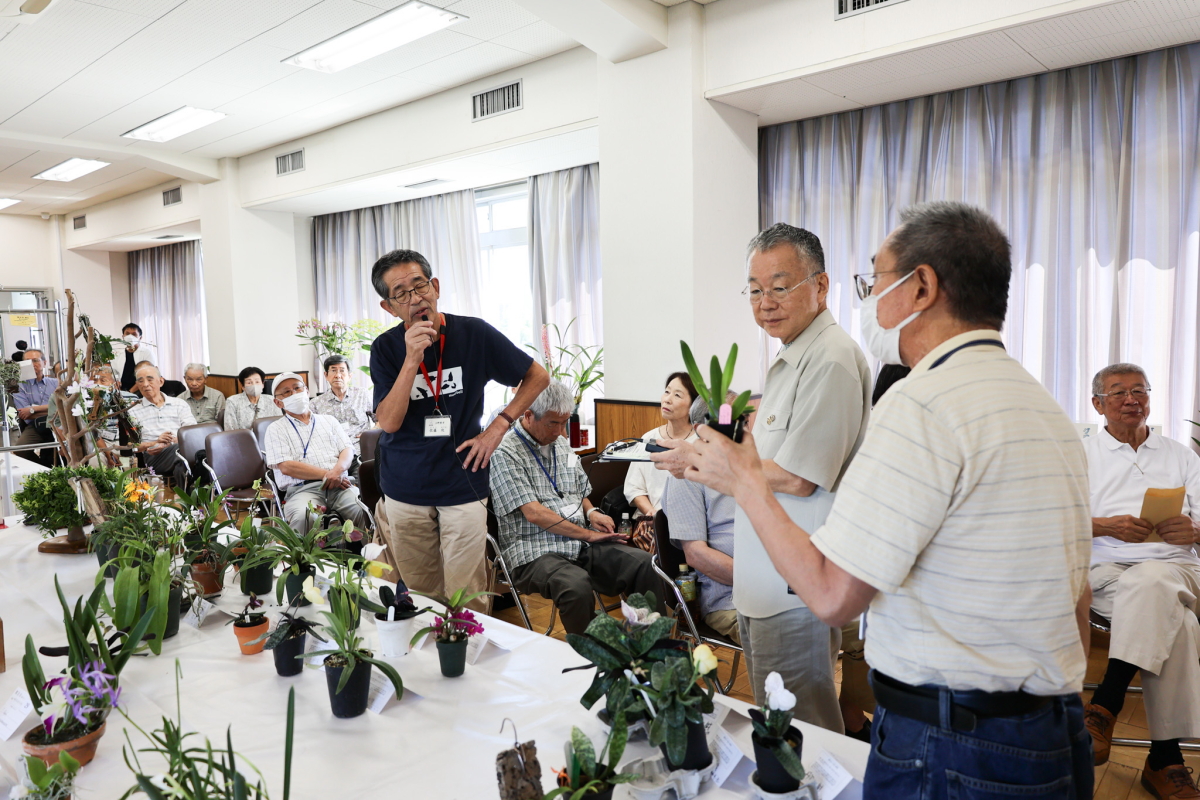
x,y
962,527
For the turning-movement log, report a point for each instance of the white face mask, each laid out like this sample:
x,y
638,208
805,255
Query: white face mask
x,y
296,403
131,339
883,343
253,389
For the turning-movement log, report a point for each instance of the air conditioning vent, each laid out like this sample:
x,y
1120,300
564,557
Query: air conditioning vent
x,y
497,101
173,196
848,8
289,162
169,236
425,184
80,222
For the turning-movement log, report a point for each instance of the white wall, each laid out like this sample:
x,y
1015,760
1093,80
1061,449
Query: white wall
x,y
87,274
118,266
27,257
558,91
135,213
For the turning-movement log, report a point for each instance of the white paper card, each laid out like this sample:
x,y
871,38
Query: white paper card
x,y
199,612
312,643
437,426
714,719
728,756
14,713
829,776
476,644
382,690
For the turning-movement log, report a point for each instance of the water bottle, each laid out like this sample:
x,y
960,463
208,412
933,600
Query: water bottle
x,y
686,581
626,526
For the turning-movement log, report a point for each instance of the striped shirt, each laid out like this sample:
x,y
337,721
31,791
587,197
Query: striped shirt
x,y
353,411
240,413
967,508
153,421
319,443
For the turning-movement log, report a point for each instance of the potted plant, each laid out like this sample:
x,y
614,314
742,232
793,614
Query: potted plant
x,y
249,626
55,782
301,554
589,775
348,663
727,418
777,745
576,365
144,585
618,649
88,650
287,641
349,581
48,500
451,629
678,704
80,702
394,625
253,559
206,522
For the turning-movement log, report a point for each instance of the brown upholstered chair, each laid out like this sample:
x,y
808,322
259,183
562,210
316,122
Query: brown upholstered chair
x,y
235,464
191,440
259,428
368,442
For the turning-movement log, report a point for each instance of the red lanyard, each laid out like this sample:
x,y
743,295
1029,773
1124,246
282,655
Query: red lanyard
x,y
436,388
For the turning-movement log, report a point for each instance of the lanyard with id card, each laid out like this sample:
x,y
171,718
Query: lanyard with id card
x,y
437,424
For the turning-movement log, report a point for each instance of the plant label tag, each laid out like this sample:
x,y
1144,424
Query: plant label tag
x,y
729,755
14,713
475,646
198,612
311,644
437,425
828,775
713,720
382,691
420,643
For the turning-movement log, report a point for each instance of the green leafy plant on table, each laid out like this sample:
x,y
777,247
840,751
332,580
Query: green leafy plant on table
x,y
49,502
721,379
55,782
349,650
576,365
588,772
677,698
773,729
454,623
301,554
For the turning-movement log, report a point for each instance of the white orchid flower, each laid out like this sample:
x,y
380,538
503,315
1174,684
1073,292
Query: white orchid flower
x,y
773,683
778,697
73,388
18,792
704,659
76,410
638,616
372,551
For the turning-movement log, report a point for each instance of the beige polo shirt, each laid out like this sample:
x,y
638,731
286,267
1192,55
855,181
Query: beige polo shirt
x,y
967,508
811,420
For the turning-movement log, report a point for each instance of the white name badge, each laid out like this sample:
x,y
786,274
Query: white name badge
x,y
438,425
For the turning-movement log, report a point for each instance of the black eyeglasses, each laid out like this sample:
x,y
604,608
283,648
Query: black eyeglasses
x,y
404,296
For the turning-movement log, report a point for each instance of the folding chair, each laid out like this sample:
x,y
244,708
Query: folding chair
x,y
235,463
666,563
367,443
498,562
191,441
259,428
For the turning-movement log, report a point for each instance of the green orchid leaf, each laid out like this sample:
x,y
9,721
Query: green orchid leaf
x,y
584,751
596,652
718,392
787,758
728,372
740,405
693,371
391,673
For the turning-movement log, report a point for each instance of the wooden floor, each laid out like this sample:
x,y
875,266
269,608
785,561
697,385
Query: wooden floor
x,y
1119,779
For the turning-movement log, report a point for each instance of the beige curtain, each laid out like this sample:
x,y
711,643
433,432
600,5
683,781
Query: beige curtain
x,y
166,298
1093,171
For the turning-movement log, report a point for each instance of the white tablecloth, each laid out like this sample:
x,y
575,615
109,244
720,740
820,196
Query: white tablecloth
x,y
439,741
17,469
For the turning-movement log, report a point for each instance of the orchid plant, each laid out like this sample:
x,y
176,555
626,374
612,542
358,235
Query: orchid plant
x,y
676,697
349,649
773,723
588,772
397,603
55,782
290,624
715,392
249,616
79,701
577,365
454,623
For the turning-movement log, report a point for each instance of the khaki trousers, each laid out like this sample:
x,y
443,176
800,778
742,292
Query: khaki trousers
x,y
803,650
383,536
1152,606
725,623
441,549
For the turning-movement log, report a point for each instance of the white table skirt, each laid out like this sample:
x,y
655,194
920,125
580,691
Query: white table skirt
x,y
439,741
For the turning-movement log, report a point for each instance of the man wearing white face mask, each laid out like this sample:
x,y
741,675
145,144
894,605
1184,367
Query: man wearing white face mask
x,y
126,359
251,403
962,527
311,455
809,425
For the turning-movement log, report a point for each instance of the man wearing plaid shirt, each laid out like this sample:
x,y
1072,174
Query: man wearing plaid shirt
x,y
539,497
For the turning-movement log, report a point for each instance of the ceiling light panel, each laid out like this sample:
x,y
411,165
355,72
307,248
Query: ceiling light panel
x,y
5,202
389,30
70,169
173,125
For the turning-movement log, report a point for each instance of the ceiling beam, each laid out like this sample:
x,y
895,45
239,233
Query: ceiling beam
x,y
192,168
616,30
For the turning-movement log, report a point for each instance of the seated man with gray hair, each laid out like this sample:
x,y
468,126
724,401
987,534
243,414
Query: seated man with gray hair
x,y
159,418
1145,578
207,404
554,541
311,455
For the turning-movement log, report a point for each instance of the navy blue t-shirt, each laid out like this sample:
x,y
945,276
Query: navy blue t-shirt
x,y
424,471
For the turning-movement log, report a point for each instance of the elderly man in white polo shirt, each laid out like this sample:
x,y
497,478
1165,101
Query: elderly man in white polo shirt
x,y
1145,579
311,455
159,419
961,527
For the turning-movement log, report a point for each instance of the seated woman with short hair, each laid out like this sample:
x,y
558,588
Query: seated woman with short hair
x,y
252,403
644,483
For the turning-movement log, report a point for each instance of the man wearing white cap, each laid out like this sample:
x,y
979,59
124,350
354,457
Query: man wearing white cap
x,y
311,455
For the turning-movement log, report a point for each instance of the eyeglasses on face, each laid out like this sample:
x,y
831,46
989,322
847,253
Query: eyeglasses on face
x,y
778,293
864,282
404,296
1139,394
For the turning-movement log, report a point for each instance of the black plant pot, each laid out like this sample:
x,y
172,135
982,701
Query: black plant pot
x,y
604,795
294,584
352,700
453,656
771,776
287,662
106,553
733,430
174,610
258,580
697,755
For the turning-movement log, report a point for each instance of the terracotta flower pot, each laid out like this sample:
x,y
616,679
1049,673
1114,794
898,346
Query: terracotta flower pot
x,y
210,577
246,633
82,749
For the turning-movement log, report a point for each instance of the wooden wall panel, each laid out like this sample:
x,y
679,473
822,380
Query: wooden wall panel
x,y
228,384
624,419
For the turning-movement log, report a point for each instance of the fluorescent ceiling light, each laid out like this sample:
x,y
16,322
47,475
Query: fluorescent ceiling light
x,y
173,125
5,202
386,32
70,169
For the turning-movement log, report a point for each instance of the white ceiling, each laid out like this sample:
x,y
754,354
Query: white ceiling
x,y
88,70
169,234
1080,37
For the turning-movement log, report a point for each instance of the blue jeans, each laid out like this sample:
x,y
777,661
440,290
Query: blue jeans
x,y
1045,755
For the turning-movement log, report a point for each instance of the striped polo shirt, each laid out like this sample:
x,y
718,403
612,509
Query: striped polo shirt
x,y
967,508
